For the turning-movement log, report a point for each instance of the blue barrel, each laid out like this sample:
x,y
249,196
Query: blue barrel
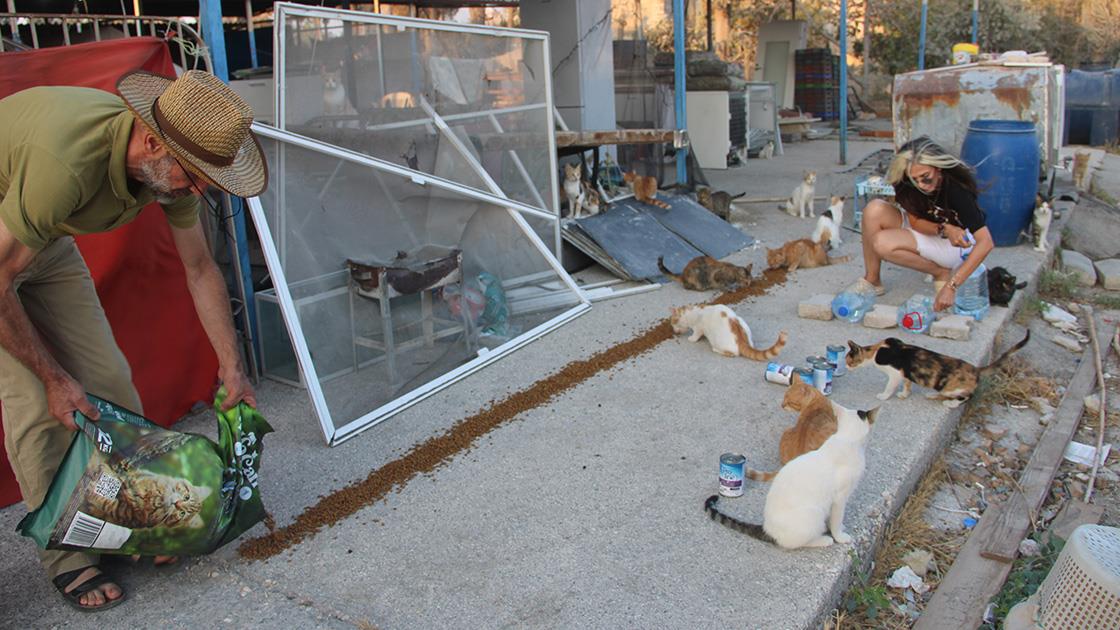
x,y
1005,154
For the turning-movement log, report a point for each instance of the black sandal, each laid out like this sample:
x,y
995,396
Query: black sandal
x,y
74,597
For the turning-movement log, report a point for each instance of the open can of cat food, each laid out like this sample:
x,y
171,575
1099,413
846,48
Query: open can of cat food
x,y
837,355
731,469
778,373
822,376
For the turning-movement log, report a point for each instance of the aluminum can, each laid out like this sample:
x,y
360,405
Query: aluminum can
x,y
805,374
838,355
732,467
778,373
822,376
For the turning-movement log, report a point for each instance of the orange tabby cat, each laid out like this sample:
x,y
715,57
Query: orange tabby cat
x,y
146,499
816,421
645,188
802,253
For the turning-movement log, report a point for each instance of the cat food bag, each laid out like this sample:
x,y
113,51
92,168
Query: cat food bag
x,y
128,486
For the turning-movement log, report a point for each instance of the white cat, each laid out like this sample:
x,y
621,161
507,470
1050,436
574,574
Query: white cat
x,y
1041,225
727,333
802,198
573,189
809,494
830,222
334,93
767,151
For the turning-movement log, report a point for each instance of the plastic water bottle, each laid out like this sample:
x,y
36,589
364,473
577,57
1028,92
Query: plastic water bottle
x,y
972,296
965,251
852,305
916,315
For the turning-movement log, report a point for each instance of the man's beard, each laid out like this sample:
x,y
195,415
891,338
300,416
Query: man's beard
x,y
156,174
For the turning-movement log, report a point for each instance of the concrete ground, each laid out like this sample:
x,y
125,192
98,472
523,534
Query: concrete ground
x,y
582,513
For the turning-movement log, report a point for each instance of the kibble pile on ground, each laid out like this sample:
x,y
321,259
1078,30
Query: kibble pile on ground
x,y
440,449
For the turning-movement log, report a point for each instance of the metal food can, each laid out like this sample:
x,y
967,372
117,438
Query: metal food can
x,y
731,470
822,376
805,374
778,373
838,356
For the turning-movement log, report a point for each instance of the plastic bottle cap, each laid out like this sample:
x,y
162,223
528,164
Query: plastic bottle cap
x,y
842,311
908,321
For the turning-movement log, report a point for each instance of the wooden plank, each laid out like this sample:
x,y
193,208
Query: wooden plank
x,y
1034,482
1073,515
612,136
974,579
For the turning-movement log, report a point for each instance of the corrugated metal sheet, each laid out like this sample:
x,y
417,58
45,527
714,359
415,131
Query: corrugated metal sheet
x,y
941,102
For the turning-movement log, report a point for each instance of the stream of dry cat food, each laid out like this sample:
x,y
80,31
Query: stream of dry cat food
x,y
441,449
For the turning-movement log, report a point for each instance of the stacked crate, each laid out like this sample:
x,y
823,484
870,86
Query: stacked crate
x,y
817,82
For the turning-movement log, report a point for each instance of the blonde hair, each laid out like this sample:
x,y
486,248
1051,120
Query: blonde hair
x,y
921,151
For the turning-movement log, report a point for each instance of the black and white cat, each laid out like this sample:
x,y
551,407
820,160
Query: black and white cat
x,y
810,493
830,222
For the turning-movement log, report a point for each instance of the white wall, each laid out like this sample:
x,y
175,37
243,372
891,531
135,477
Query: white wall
x,y
794,31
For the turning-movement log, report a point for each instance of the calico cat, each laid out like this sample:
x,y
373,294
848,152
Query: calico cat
x,y
816,421
718,202
828,225
334,92
580,193
802,198
146,499
809,494
953,380
727,333
1002,286
645,188
1040,226
705,273
767,151
802,253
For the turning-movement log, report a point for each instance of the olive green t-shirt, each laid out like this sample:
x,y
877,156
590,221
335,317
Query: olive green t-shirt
x,y
62,166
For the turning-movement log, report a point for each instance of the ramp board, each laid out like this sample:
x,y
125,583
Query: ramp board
x,y
695,224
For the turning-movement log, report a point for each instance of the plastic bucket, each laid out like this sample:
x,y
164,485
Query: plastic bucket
x,y
1005,154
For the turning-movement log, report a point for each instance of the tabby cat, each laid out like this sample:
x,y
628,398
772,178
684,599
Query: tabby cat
x,y
146,499
810,493
954,380
705,273
802,253
645,188
718,202
816,421
727,333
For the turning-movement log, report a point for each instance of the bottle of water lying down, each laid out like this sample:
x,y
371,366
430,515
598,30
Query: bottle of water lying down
x,y
852,305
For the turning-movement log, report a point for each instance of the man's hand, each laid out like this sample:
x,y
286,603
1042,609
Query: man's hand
x,y
64,397
238,389
945,298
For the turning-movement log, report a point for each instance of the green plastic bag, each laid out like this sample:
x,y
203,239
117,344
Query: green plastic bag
x,y
128,486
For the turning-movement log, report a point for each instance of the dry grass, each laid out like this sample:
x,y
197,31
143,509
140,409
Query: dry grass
x,y
1015,383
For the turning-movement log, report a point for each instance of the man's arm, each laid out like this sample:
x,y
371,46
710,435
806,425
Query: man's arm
x,y
211,301
20,339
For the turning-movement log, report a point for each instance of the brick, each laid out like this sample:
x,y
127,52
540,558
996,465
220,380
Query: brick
x,y
957,327
881,316
1109,273
816,307
1080,266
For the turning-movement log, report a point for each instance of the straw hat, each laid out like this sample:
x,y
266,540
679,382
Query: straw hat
x,y
203,123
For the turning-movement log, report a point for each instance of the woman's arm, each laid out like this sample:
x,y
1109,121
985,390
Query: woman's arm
x,y
984,246
922,226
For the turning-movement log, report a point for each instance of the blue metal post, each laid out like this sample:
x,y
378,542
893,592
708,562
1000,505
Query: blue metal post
x,y
975,21
214,35
252,34
679,85
843,81
922,37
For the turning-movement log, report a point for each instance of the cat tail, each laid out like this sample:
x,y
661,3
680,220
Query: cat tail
x,y
760,475
836,260
660,204
994,365
748,351
664,270
739,195
750,529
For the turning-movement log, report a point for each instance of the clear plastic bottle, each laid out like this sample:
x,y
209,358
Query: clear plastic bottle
x,y
916,315
852,305
972,296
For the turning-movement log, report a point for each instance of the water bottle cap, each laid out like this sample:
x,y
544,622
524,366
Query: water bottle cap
x,y
908,321
842,311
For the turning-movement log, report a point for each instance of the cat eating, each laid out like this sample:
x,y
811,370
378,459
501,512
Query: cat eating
x,y
800,204
645,188
816,421
810,493
727,333
705,273
802,253
954,380
829,223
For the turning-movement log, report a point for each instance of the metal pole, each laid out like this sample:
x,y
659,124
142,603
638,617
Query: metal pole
x,y
975,21
215,37
843,81
922,37
252,37
14,23
708,19
679,86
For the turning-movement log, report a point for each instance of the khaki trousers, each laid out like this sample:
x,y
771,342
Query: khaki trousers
x,y
58,294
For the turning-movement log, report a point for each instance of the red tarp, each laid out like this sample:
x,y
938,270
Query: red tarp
x,y
136,268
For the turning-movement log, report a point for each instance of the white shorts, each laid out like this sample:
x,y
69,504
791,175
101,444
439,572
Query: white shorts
x,y
934,248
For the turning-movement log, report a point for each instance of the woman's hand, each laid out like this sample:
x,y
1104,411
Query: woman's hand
x,y
956,236
945,298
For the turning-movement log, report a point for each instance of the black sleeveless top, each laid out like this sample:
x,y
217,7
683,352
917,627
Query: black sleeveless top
x,y
952,203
